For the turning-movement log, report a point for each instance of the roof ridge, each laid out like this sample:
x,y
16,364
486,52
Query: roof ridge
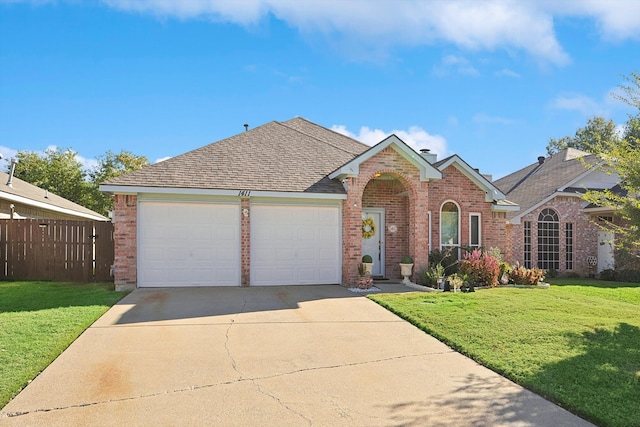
x,y
322,140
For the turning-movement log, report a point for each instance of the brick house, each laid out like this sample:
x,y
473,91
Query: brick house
x,y
555,228
285,203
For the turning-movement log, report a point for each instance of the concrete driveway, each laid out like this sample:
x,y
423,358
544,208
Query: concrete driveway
x,y
277,356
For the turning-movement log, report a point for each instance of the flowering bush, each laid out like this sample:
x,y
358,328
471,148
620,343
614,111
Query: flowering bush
x,y
525,276
481,267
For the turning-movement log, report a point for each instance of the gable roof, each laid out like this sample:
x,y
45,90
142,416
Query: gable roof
x,y
543,180
493,193
291,156
28,194
352,168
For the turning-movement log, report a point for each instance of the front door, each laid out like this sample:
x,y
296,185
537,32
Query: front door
x,y
605,250
373,238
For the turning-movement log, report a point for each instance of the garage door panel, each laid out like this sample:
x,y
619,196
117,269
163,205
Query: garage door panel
x,y
188,244
292,245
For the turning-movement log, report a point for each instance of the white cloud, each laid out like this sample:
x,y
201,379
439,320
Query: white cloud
x,y
456,64
581,103
505,72
415,137
7,153
482,118
526,25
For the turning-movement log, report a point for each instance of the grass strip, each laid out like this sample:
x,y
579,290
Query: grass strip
x,y
576,344
38,321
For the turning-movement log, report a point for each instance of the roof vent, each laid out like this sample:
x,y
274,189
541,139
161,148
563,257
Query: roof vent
x,y
246,127
429,157
540,160
14,162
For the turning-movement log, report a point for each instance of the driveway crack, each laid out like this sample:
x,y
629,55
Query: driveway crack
x,y
231,382
226,341
280,402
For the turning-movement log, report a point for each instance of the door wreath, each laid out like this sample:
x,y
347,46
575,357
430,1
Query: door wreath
x,y
368,228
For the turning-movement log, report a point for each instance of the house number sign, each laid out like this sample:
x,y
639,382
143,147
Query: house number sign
x,y
244,193
393,228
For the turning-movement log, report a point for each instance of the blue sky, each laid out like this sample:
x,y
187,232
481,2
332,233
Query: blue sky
x,y
491,81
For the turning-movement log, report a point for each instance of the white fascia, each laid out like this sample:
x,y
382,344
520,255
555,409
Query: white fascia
x,y
41,205
516,219
491,191
582,175
124,189
352,168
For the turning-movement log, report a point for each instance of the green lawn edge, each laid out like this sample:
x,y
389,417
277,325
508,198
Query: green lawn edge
x,y
39,320
610,298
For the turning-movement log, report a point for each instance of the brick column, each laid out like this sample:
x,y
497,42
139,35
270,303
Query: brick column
x,y
351,232
125,236
245,240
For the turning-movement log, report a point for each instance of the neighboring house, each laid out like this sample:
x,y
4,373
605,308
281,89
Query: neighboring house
x,y
555,228
285,203
20,200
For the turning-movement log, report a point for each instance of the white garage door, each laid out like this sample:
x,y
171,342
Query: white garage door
x,y
295,245
188,244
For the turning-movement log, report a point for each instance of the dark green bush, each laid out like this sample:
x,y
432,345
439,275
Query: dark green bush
x,y
631,276
367,259
447,258
608,274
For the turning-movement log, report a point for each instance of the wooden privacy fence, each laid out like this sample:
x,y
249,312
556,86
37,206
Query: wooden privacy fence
x,y
51,249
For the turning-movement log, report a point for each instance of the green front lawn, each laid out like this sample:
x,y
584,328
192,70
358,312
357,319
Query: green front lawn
x,y
38,320
577,343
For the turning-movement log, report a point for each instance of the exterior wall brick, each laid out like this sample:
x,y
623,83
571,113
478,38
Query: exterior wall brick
x,y
465,193
125,236
245,241
585,234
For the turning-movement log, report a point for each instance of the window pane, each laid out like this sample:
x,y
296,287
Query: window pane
x,y
475,230
449,224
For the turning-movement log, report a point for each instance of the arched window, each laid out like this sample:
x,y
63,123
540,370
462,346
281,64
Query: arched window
x,y
548,240
449,226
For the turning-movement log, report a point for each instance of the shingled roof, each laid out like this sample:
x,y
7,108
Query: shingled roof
x,y
28,194
534,183
291,156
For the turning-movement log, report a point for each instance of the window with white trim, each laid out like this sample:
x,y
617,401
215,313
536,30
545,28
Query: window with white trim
x,y
548,240
475,230
568,234
449,226
527,244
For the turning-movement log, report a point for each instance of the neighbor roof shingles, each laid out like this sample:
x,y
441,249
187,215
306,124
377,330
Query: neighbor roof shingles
x,y
36,194
535,182
294,156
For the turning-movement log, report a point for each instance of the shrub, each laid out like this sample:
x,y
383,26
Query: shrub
x,y
430,275
573,275
552,272
631,276
608,274
525,276
447,258
505,270
367,259
406,260
481,267
496,253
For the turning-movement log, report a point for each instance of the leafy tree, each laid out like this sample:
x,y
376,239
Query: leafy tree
x,y
587,138
60,172
623,156
57,170
111,165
